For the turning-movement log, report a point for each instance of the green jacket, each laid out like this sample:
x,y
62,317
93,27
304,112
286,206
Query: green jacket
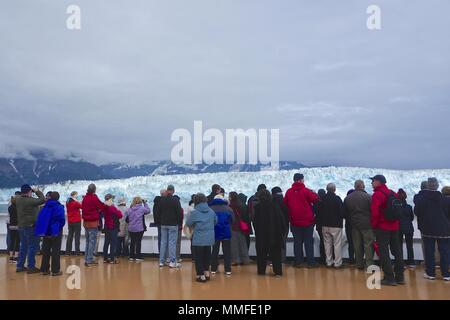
x,y
28,209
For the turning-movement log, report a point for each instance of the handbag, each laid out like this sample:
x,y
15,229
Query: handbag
x,y
244,226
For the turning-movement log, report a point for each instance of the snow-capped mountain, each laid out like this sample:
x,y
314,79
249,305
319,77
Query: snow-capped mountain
x,y
44,170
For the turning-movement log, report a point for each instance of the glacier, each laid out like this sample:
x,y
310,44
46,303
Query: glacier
x,y
246,182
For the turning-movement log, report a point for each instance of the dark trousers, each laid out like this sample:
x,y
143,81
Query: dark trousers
x,y
74,230
263,253
14,241
159,238
123,248
226,249
111,239
51,248
444,252
390,240
135,246
202,256
321,245
351,246
303,235
409,247
284,247
8,238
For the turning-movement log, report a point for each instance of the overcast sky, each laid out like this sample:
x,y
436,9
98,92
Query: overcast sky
x,y
339,93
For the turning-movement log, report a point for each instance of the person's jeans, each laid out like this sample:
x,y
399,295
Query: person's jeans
x,y
74,229
111,238
28,247
390,240
409,247
303,235
430,259
351,247
123,246
226,250
51,247
363,243
91,241
169,236
179,245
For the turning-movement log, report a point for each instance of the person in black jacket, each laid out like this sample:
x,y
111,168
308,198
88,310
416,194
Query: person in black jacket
x,y
170,216
269,231
277,196
156,218
13,232
321,193
432,211
215,190
406,229
331,215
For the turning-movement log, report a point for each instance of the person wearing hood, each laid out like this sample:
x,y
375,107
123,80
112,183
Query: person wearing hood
x,y
406,229
74,223
270,229
49,225
239,231
277,198
300,201
112,217
27,209
222,233
432,211
202,220
123,245
136,226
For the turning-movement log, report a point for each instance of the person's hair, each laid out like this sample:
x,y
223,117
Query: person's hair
x,y
446,191
262,186
192,199
424,185
359,185
91,188
13,200
215,187
276,190
321,193
48,194
54,195
234,198
264,195
135,201
402,194
199,198
222,191
73,193
433,183
170,189
331,187
298,177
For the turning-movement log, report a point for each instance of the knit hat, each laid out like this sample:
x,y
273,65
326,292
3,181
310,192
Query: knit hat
x,y
276,190
433,184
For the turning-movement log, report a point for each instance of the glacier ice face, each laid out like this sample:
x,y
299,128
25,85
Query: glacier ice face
x,y
246,182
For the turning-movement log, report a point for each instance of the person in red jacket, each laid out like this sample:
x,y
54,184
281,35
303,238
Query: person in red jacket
x,y
73,207
386,232
112,217
91,208
299,201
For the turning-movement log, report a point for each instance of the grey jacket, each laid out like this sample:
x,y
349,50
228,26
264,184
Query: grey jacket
x,y
357,209
28,209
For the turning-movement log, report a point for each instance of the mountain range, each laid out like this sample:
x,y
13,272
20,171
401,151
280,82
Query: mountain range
x,y
39,171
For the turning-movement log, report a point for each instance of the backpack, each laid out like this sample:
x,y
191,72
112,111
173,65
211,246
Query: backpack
x,y
394,207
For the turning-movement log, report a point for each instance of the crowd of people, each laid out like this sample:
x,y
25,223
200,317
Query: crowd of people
x,y
374,223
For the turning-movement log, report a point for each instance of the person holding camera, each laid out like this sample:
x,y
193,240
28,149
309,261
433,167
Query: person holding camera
x,y
27,210
135,216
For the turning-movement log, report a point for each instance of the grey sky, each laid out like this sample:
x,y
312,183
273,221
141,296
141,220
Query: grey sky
x,y
339,93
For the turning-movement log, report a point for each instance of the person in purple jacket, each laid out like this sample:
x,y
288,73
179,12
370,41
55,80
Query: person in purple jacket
x,y
136,226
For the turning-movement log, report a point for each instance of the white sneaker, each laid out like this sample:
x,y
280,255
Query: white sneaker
x,y
446,278
213,273
131,259
228,273
139,260
161,265
174,265
428,277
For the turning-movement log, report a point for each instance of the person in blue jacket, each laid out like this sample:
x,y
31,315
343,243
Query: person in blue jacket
x,y
222,232
202,220
49,226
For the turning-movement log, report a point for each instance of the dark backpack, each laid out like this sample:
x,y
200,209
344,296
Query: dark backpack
x,y
394,207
